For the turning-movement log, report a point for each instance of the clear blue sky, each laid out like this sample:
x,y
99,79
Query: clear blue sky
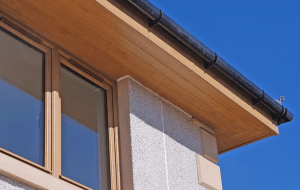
x,y
261,39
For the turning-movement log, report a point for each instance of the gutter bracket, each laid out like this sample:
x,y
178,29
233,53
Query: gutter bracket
x,y
156,21
210,64
258,100
282,114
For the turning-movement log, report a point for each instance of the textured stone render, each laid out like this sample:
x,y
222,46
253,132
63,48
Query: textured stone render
x,y
10,184
164,142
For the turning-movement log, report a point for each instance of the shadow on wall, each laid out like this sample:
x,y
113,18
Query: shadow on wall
x,y
161,115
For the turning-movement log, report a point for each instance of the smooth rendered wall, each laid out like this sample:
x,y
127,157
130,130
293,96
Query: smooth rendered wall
x,y
163,141
10,184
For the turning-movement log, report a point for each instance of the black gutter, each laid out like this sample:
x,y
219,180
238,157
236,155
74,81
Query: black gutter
x,y
211,59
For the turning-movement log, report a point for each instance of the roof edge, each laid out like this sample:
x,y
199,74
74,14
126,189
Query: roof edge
x,y
211,59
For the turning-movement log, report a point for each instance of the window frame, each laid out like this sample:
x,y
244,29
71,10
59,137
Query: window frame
x,y
54,57
71,64
47,51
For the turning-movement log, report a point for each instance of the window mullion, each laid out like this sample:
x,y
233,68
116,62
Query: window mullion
x,y
56,114
111,134
48,110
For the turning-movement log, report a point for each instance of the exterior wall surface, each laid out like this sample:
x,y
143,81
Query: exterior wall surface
x,y
161,140
10,184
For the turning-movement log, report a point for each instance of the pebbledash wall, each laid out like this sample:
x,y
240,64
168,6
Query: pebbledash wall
x,y
160,144
10,184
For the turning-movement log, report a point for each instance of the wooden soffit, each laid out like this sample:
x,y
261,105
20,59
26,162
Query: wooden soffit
x,y
116,40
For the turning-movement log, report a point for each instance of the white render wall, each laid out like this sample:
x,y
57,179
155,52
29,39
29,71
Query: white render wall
x,y
163,141
10,184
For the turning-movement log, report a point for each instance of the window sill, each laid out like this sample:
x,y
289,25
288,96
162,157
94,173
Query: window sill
x,y
31,176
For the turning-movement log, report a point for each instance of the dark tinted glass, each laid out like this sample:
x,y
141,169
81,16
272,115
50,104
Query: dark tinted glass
x,y
21,98
84,139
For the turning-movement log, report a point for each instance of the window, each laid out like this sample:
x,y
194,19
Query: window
x,y
22,98
83,130
53,115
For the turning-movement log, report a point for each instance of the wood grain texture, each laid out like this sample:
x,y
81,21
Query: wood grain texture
x,y
115,41
142,73
97,33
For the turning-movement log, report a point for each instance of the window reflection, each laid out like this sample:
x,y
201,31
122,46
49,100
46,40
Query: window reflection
x,y
84,139
21,98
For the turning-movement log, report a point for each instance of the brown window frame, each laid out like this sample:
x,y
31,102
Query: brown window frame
x,y
47,51
54,57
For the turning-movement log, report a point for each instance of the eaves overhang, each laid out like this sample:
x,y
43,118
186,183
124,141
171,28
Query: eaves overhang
x,y
211,59
112,38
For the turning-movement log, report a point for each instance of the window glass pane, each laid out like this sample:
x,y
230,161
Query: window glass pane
x,y
21,98
84,133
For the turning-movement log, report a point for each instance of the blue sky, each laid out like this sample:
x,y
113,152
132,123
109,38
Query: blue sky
x,y
261,39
